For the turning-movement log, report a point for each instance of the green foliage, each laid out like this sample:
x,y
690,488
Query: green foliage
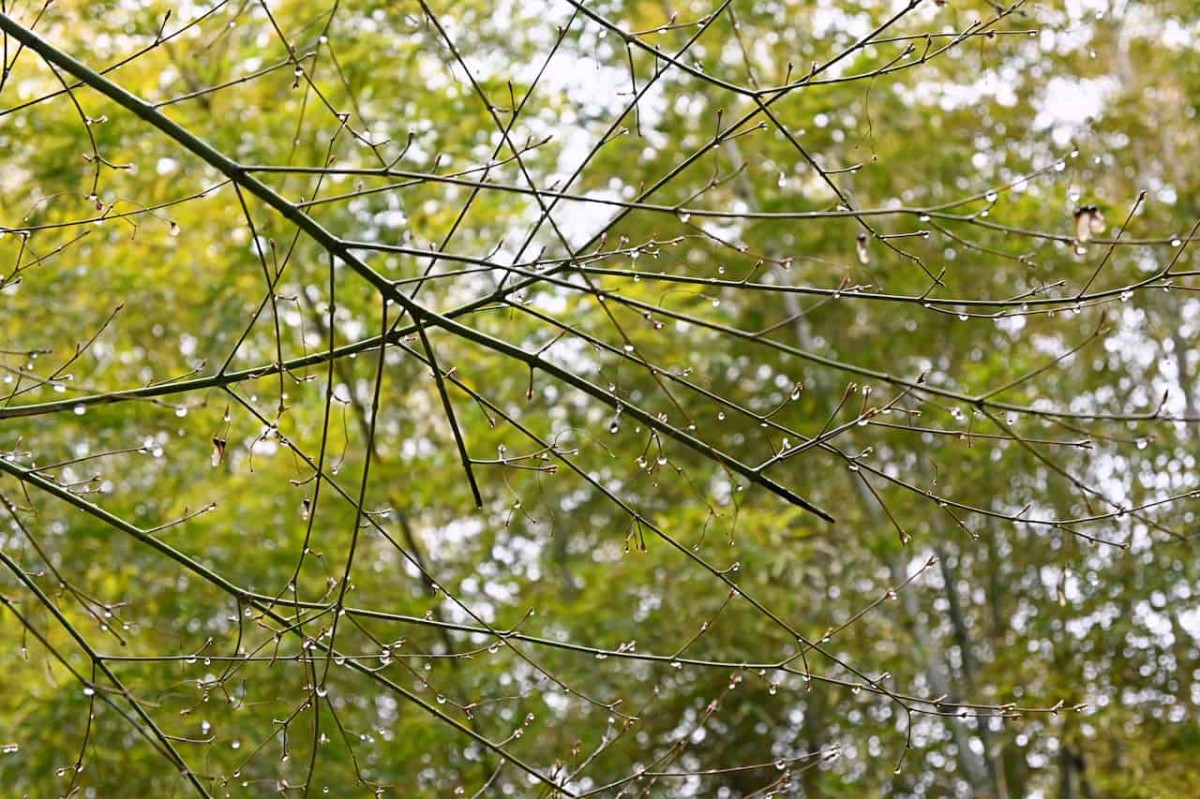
x,y
679,271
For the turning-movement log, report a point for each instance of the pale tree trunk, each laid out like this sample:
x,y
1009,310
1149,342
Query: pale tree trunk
x,y
993,753
972,767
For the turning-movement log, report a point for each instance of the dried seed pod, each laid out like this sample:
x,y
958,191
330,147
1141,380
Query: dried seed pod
x,y
218,453
1088,221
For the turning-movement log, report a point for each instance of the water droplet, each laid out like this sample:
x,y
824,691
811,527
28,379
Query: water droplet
x,y
89,690
441,700
1176,242
720,416
1126,296
962,317
10,749
991,196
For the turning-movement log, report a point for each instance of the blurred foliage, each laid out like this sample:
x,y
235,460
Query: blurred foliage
x,y
997,408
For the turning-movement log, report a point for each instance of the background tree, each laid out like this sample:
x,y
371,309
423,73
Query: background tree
x,y
599,399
